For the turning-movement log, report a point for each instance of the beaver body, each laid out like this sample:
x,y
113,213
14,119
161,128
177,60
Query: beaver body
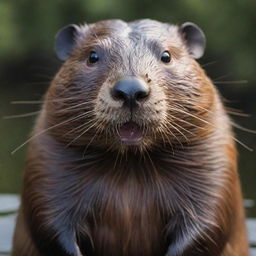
x,y
133,153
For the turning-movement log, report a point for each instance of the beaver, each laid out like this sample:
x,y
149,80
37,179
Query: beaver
x,y
133,153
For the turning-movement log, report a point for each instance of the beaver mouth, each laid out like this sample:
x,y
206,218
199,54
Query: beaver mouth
x,y
130,133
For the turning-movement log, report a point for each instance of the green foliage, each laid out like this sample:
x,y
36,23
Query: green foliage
x,y
8,31
29,26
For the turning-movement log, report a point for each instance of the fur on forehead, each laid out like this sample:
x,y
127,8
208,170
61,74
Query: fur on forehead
x,y
102,29
157,30
147,28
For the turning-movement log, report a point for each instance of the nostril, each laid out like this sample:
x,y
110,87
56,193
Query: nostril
x,y
141,95
119,95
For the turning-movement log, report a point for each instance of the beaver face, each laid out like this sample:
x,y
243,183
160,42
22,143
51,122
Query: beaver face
x,y
129,85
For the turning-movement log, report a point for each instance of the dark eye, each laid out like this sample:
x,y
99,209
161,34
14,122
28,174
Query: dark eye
x,y
166,57
93,57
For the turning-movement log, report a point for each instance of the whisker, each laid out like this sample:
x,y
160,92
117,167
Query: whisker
x,y
75,108
209,63
220,77
189,114
242,144
182,134
47,100
80,127
116,160
205,109
151,161
79,105
118,153
80,135
236,112
22,115
163,137
44,131
167,128
231,82
243,128
92,139
188,123
27,102
48,77
46,83
167,137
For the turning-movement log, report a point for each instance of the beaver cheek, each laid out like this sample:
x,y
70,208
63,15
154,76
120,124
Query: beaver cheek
x,y
130,133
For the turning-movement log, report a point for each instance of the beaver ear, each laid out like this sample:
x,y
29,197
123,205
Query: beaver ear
x,y
195,39
65,41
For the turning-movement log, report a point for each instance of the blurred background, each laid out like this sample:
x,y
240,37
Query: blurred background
x,y
28,62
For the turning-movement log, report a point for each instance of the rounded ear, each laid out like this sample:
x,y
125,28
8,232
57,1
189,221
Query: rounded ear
x,y
65,41
195,39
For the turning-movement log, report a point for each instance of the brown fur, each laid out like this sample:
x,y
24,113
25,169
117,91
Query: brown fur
x,y
86,193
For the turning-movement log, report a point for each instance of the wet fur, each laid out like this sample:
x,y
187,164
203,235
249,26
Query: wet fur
x,y
177,193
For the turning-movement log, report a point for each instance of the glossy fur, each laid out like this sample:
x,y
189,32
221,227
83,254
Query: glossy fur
x,y
86,193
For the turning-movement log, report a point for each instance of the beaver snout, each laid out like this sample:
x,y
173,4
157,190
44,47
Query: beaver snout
x,y
131,91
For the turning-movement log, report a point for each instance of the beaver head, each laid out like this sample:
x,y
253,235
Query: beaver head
x,y
129,86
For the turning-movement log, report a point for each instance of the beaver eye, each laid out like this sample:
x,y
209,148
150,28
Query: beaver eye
x,y
166,57
93,57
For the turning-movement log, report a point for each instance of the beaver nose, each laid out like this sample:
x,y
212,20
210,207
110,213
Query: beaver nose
x,y
131,91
